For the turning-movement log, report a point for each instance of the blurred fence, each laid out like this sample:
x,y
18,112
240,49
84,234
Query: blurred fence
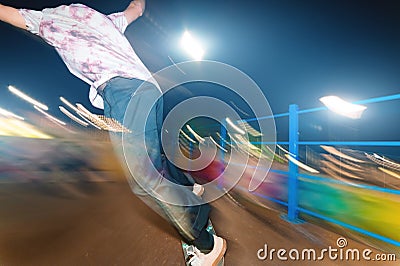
x,y
385,202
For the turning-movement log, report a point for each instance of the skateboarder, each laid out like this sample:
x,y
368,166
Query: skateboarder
x,y
94,48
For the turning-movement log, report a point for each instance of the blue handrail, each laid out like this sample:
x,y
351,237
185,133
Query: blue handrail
x,y
293,173
338,143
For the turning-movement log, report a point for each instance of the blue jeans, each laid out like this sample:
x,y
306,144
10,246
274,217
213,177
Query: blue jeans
x,y
190,217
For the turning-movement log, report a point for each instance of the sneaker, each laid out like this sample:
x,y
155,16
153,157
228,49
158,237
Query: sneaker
x,y
197,258
198,190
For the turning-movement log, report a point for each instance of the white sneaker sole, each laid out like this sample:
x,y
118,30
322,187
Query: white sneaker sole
x,y
221,254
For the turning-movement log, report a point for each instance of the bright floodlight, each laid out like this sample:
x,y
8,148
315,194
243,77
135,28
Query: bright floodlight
x,y
342,107
27,98
192,46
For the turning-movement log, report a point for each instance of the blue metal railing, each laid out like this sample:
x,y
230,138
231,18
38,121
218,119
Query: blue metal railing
x,y
293,168
293,208
293,172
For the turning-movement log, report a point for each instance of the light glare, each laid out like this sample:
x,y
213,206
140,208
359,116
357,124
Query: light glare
x,y
340,106
10,114
187,137
19,128
49,116
67,113
27,98
192,46
301,165
70,105
235,127
197,136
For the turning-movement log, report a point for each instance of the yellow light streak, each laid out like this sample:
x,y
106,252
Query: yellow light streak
x,y
19,128
389,172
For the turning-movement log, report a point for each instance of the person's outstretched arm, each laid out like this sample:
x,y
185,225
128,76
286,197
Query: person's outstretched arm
x,y
11,16
134,10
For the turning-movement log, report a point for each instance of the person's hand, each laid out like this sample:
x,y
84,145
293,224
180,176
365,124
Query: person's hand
x,y
141,4
135,10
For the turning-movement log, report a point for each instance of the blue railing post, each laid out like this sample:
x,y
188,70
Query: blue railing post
x,y
293,168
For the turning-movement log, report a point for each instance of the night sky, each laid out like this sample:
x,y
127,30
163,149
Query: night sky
x,y
296,51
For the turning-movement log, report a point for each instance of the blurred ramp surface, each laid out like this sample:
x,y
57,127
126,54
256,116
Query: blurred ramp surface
x,y
66,215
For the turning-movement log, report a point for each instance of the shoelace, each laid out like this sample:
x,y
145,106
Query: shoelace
x,y
193,256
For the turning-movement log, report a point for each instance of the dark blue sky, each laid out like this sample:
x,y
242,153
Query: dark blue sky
x,y
297,51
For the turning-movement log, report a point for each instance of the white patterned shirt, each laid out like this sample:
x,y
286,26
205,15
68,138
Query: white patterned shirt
x,y
91,44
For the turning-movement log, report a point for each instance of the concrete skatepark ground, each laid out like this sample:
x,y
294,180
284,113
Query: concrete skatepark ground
x,y
97,220
103,223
